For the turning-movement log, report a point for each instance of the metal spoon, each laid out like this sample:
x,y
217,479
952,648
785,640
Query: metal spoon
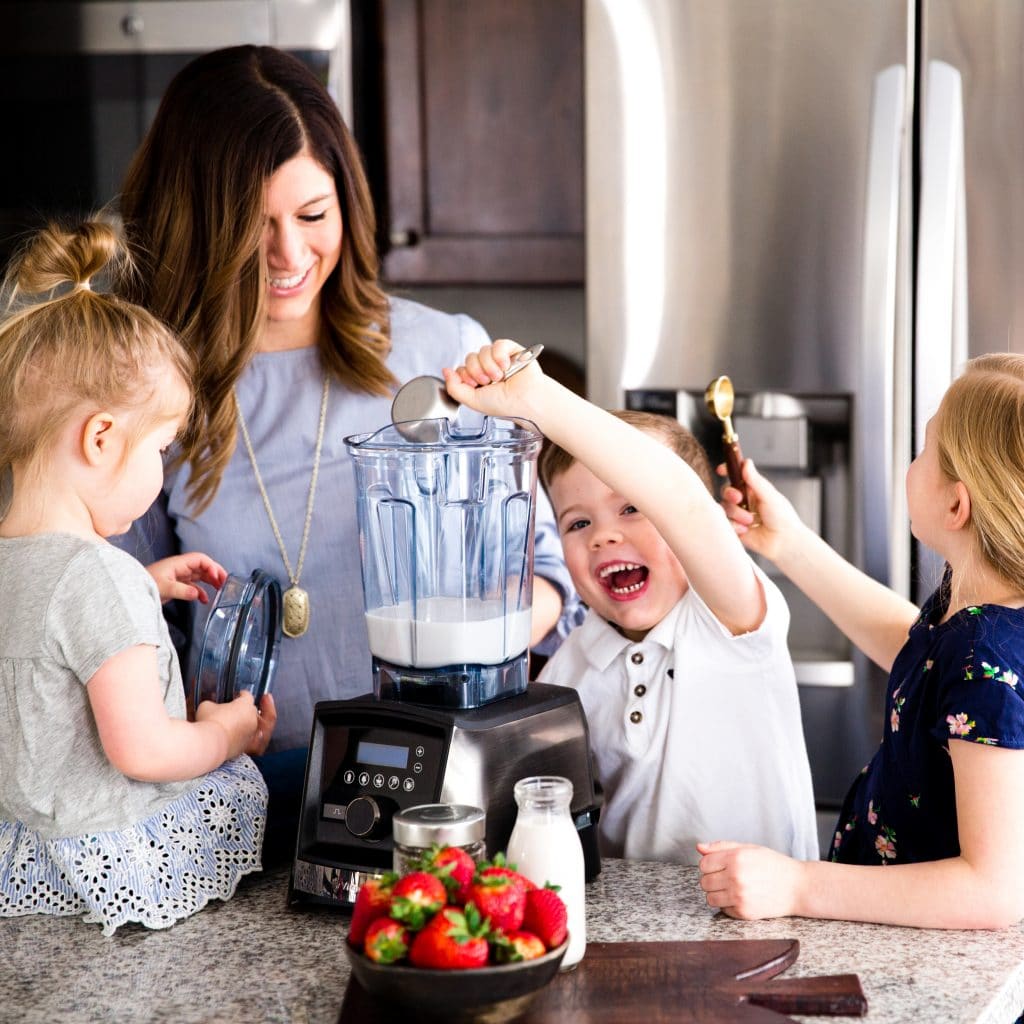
x,y
425,398
719,397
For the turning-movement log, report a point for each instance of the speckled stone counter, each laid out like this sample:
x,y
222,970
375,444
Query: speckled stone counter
x,y
254,960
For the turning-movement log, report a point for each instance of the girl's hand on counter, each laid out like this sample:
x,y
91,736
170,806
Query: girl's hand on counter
x,y
749,882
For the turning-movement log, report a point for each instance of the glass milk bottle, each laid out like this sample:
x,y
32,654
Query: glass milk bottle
x,y
545,847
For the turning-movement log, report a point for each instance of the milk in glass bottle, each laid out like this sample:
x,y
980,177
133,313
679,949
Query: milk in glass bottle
x,y
545,847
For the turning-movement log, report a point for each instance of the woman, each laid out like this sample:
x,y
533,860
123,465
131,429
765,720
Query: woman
x,y
249,212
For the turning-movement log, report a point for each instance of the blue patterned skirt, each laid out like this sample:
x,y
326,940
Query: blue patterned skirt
x,y
155,872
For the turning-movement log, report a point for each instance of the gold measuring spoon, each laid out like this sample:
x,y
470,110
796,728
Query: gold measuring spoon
x,y
719,397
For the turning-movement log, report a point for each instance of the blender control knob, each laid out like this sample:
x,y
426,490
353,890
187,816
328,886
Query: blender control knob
x,y
362,816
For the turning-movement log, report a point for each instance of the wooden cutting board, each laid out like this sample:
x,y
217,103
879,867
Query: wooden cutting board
x,y
661,982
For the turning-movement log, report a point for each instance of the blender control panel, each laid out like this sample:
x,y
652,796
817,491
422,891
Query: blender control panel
x,y
372,771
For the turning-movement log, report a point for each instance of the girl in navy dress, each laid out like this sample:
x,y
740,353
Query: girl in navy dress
x,y
940,807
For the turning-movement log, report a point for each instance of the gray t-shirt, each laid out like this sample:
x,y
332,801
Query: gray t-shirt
x,y
67,605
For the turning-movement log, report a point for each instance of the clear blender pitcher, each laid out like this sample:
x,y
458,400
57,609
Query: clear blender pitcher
x,y
446,521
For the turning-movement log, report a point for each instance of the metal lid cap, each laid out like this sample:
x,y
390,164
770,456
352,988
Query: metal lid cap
x,y
446,824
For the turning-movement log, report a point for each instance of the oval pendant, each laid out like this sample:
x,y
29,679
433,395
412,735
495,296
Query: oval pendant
x,y
296,612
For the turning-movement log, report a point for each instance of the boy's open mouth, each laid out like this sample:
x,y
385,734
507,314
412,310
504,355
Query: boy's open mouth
x,y
622,578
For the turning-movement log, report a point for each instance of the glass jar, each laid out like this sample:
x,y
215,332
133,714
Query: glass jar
x,y
416,829
545,846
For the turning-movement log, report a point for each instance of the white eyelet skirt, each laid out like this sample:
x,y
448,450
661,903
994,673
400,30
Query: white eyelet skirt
x,y
155,872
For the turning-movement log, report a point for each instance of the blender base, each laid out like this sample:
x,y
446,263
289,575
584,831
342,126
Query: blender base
x,y
370,759
450,686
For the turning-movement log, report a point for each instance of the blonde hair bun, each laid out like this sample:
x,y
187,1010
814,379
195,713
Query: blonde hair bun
x,y
65,346
67,258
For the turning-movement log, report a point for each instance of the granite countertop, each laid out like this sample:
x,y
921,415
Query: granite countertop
x,y
254,959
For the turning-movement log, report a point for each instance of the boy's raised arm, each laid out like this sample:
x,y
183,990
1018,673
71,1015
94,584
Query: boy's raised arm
x,y
652,477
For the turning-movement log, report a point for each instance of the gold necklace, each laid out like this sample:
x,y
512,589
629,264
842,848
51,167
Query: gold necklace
x,y
296,600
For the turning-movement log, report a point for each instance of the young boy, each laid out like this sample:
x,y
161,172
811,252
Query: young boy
x,y
681,662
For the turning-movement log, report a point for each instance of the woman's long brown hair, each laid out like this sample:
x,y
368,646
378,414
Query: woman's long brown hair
x,y
192,204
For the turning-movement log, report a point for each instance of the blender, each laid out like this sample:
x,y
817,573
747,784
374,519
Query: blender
x,y
445,511
446,533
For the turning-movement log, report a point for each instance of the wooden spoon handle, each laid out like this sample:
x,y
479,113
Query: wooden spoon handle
x,y
734,464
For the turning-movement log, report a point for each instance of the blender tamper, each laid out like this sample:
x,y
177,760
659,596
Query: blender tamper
x,y
426,398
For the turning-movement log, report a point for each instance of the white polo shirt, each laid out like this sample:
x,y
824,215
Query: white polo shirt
x,y
696,733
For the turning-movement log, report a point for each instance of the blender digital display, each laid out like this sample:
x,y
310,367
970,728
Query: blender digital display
x,y
383,754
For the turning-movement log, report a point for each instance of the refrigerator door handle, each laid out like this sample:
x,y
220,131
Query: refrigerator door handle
x,y
875,417
941,301
941,307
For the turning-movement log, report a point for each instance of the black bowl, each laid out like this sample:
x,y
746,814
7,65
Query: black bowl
x,y
486,995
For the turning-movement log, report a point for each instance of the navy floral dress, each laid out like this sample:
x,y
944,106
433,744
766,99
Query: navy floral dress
x,y
958,680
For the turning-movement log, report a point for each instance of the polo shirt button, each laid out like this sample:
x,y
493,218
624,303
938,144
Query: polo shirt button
x,y
639,689
637,658
636,717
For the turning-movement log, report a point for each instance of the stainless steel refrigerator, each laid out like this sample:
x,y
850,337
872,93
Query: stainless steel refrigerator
x,y
823,199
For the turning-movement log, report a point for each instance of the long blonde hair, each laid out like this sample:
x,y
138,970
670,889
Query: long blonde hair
x,y
192,204
64,343
979,437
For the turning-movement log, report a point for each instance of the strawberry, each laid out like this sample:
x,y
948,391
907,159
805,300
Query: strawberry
x,y
372,901
518,946
387,941
500,898
416,897
498,866
452,939
546,916
454,867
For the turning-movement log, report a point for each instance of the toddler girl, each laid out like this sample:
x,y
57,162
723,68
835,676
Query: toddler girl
x,y
941,805
112,804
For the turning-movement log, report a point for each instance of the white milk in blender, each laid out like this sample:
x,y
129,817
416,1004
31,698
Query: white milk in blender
x,y
447,631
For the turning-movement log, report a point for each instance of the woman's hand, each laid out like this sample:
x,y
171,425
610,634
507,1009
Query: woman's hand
x,y
768,530
749,882
176,576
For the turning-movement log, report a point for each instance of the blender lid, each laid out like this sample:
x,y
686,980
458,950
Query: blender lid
x,y
447,824
443,434
240,639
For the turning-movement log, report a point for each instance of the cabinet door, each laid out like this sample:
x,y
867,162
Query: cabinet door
x,y
483,135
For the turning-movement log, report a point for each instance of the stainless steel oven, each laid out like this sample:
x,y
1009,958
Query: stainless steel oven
x,y
81,81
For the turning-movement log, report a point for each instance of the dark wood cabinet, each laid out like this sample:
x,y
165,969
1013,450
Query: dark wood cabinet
x,y
478,160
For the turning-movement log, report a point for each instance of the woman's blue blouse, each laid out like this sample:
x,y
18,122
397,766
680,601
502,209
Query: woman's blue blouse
x,y
959,680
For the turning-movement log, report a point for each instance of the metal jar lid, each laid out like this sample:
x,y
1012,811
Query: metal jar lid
x,y
446,824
